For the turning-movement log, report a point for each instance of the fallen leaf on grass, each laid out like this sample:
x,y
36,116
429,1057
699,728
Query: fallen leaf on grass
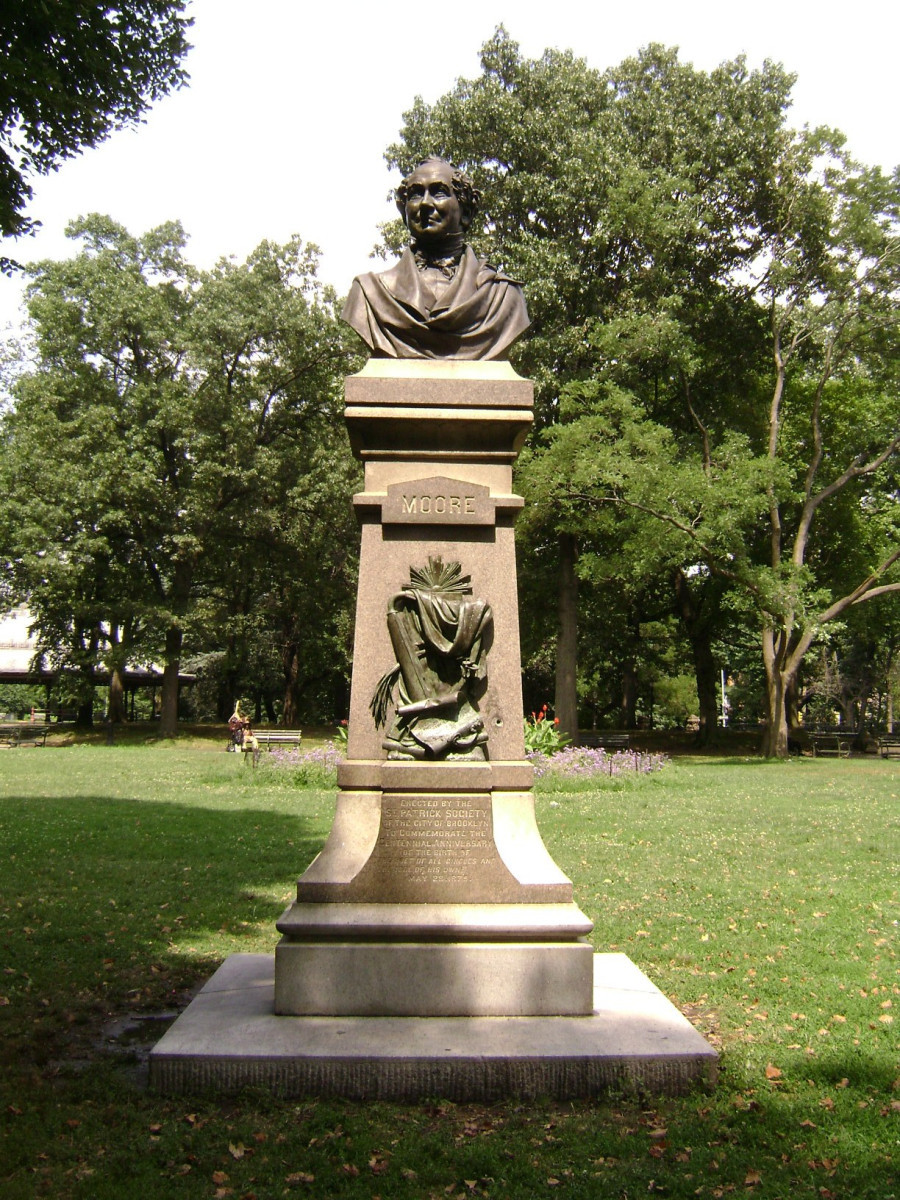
x,y
219,1177
772,1072
826,1102
237,1151
378,1164
299,1177
350,1169
752,1178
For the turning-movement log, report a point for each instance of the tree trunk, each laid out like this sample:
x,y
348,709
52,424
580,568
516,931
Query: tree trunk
x,y
566,697
290,715
630,690
116,713
84,717
168,713
778,681
226,694
792,704
775,738
705,668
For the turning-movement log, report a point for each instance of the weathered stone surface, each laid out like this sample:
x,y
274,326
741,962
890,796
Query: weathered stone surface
x,y
438,412
229,1038
438,848
434,893
433,979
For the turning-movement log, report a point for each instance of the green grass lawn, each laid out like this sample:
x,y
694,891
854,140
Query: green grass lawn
x,y
762,898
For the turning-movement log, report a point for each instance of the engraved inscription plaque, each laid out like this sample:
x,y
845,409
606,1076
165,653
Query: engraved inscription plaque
x,y
436,847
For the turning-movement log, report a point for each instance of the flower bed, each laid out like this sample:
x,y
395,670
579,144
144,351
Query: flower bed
x,y
312,768
579,762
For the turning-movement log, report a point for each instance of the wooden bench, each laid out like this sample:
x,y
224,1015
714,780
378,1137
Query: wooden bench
x,y
605,739
889,745
839,744
24,733
278,737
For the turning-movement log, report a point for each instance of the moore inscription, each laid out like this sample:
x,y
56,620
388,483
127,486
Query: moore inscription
x,y
438,501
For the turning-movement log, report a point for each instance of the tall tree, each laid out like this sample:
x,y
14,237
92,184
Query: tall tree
x,y
625,201
74,70
715,304
168,416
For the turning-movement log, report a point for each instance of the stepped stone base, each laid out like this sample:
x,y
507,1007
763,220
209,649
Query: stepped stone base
x,y
229,1038
412,979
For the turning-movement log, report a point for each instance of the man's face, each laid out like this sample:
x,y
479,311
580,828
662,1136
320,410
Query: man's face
x,y
432,209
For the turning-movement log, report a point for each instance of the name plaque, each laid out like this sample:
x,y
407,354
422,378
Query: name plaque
x,y
438,501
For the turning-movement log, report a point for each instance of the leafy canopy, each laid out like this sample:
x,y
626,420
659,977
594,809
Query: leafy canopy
x,y
73,71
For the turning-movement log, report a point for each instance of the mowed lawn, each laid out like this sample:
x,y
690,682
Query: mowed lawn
x,y
762,898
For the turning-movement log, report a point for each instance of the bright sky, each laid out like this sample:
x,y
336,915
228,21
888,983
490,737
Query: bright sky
x,y
291,105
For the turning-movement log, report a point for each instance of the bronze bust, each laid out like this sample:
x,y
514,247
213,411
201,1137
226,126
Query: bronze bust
x,y
439,300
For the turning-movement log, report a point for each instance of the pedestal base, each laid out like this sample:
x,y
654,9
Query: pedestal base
x,y
230,1038
415,979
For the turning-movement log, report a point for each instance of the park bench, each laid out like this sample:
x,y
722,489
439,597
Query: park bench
x,y
839,744
889,745
278,737
24,733
607,739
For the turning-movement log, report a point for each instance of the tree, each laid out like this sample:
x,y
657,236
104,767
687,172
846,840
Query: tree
x,y
74,70
168,418
625,201
715,325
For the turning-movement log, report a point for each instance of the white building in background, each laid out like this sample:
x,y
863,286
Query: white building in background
x,y
18,664
18,648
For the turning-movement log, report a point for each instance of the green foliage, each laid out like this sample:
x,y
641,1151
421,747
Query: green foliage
x,y
675,701
714,342
73,72
171,452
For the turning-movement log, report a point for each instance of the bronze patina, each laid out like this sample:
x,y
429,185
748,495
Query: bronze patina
x,y
439,300
441,637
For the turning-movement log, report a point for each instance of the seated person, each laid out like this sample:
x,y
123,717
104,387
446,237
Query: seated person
x,y
249,741
439,300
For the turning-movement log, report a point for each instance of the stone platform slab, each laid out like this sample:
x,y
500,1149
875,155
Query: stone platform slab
x,y
229,1038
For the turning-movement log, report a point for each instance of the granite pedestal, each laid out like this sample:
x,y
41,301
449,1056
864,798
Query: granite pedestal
x,y
434,947
230,1038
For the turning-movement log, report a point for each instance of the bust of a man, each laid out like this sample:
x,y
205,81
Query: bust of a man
x,y
439,300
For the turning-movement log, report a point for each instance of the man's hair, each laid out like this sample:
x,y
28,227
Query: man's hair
x,y
465,190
